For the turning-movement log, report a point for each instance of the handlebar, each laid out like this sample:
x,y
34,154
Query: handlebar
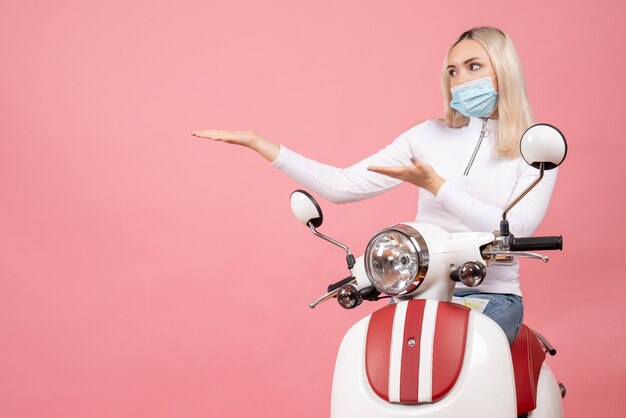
x,y
536,243
335,286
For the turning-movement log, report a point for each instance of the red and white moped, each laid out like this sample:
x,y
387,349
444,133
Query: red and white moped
x,y
425,356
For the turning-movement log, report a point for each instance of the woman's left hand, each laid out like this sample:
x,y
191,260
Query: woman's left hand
x,y
420,174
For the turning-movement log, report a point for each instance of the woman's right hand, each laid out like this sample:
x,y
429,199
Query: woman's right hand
x,y
249,139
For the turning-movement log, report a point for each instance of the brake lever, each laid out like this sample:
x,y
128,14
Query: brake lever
x,y
509,254
328,295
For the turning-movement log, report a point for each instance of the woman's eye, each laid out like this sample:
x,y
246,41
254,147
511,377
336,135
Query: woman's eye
x,y
474,67
451,73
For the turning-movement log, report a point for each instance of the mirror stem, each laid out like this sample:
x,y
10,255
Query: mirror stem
x,y
504,224
349,257
525,192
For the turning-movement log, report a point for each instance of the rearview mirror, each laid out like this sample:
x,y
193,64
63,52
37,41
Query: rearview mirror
x,y
306,209
543,143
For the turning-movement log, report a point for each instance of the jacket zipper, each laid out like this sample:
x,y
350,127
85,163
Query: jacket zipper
x,y
483,131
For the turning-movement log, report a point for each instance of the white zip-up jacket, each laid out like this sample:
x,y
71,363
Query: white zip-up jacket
x,y
464,203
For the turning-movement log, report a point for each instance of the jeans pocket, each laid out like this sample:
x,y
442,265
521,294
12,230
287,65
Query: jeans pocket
x,y
498,304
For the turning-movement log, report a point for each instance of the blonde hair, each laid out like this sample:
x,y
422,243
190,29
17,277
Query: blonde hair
x,y
514,112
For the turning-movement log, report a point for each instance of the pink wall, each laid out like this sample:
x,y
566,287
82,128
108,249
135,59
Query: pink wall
x,y
147,273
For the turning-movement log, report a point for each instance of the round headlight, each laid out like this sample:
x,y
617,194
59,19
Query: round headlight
x,y
396,260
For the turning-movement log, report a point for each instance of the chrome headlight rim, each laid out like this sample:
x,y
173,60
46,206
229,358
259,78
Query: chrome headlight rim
x,y
419,244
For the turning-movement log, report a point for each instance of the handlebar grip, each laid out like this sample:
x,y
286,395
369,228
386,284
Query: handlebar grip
x,y
536,243
340,283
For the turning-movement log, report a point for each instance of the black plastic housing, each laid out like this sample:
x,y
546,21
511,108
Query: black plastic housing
x,y
536,243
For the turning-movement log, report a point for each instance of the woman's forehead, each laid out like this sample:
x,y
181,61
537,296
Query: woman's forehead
x,y
466,49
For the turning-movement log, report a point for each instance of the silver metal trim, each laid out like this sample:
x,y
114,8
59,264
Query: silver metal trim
x,y
476,280
329,239
523,254
423,256
483,131
547,347
328,295
525,192
349,291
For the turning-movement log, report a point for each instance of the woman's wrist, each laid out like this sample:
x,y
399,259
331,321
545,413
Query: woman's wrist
x,y
435,185
265,148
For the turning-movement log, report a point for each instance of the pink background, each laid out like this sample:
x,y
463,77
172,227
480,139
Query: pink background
x,y
144,272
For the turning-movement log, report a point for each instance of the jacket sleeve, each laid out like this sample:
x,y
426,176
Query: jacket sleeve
x,y
524,218
343,185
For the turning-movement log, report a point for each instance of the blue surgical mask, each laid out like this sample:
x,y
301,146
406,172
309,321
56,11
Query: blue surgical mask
x,y
475,99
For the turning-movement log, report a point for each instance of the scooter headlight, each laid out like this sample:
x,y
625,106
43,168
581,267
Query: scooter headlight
x,y
396,260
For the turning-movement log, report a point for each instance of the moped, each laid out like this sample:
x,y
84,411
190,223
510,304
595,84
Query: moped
x,y
424,356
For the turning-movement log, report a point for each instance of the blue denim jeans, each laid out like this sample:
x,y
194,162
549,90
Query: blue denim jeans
x,y
507,310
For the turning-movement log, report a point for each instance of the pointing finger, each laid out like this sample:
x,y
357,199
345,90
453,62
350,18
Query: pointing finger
x,y
395,172
202,134
383,170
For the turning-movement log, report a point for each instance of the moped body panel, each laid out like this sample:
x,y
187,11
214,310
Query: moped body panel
x,y
485,386
415,349
549,399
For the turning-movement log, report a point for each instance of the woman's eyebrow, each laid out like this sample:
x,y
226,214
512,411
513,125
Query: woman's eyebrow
x,y
472,59
466,61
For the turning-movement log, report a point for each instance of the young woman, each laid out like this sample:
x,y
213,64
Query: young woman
x,y
468,162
